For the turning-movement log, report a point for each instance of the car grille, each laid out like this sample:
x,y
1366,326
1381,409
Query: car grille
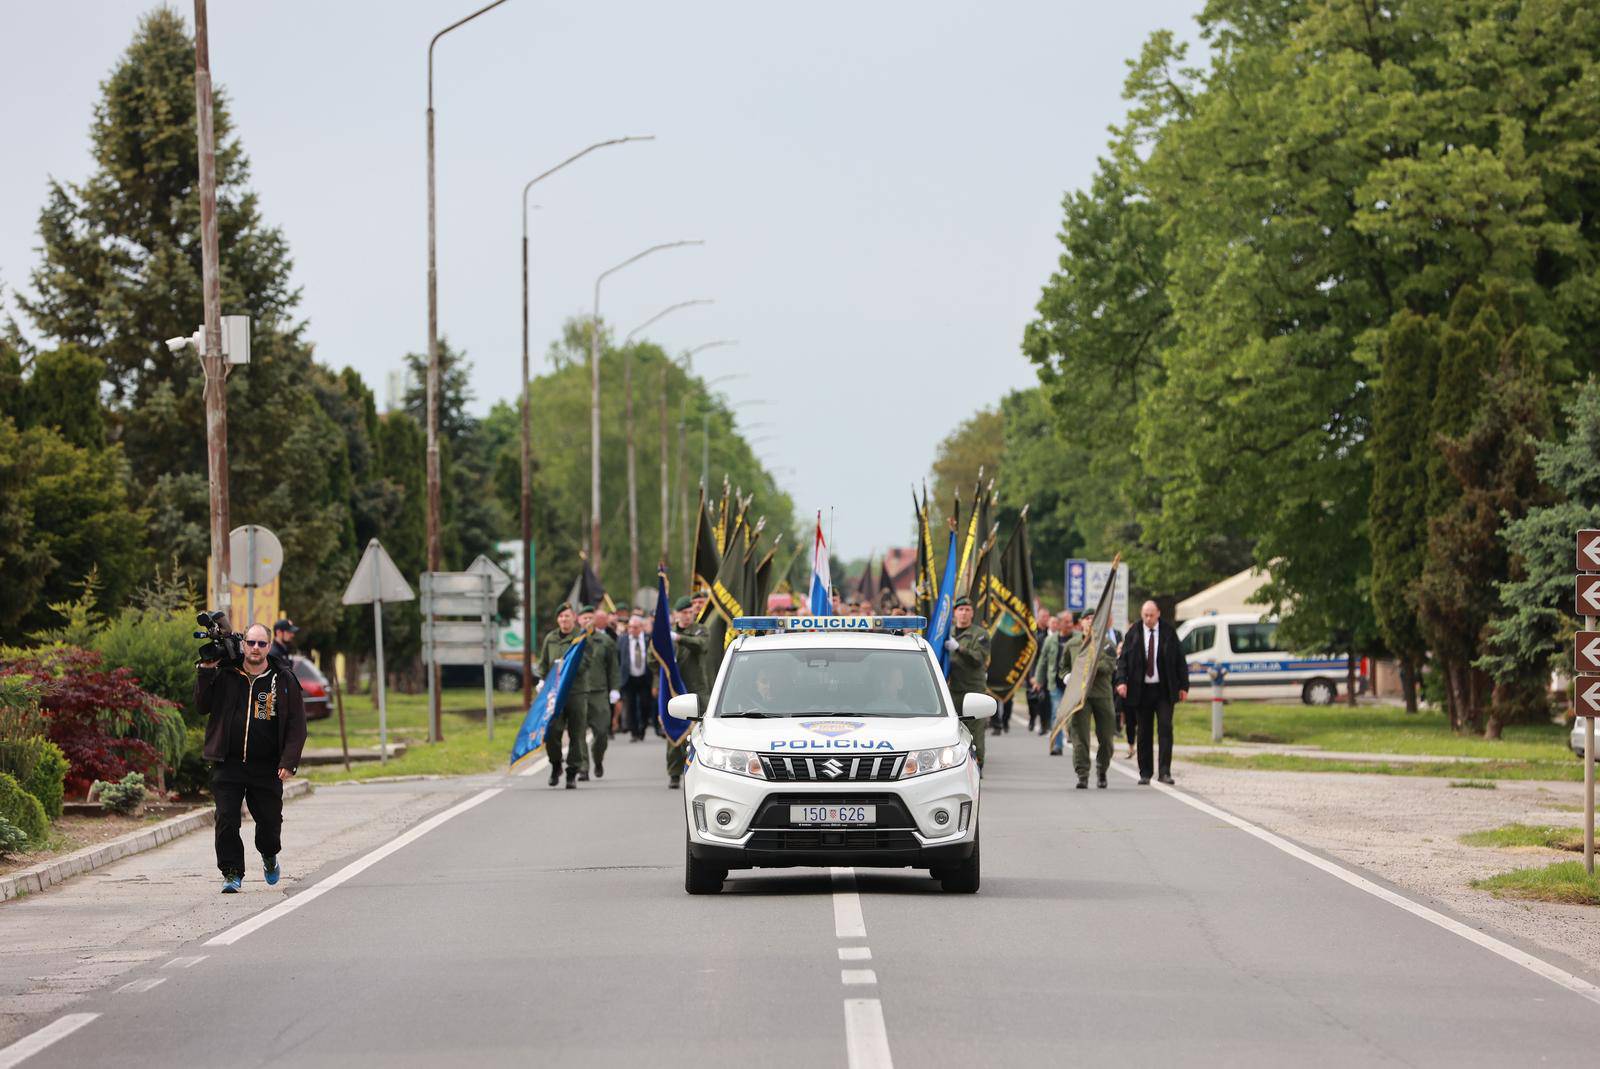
x,y
832,839
773,812
830,769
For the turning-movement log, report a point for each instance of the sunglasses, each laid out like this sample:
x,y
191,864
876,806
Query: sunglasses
x,y
256,643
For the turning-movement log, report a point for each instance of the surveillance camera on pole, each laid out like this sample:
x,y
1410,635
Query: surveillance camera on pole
x,y
235,340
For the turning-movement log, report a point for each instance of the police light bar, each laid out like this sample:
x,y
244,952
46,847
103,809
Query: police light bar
x,y
830,623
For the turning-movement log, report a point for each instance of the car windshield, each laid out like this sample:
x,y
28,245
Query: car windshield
x,y
806,682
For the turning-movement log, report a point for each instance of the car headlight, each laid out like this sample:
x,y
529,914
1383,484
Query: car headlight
x,y
739,762
921,762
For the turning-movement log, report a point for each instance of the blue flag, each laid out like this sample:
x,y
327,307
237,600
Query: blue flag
x,y
671,680
548,700
939,633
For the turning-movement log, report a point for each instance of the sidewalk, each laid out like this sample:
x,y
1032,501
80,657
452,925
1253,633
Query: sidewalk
x,y
78,937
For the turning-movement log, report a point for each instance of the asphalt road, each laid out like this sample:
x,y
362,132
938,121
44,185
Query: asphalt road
x,y
541,926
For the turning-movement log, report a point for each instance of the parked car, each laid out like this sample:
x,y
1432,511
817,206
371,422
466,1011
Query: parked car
x,y
1575,740
1246,647
314,685
507,675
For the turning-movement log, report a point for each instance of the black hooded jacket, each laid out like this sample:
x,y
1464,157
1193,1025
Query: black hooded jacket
x,y
243,715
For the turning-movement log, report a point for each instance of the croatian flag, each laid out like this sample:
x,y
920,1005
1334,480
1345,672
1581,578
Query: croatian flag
x,y
821,580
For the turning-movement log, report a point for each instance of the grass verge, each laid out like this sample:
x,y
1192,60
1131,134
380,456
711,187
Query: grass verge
x,y
1487,770
1565,881
1476,784
1368,729
1545,835
466,748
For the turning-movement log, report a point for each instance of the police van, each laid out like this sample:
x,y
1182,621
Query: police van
x,y
830,740
1245,647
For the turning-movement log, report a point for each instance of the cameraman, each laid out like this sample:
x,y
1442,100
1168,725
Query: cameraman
x,y
255,730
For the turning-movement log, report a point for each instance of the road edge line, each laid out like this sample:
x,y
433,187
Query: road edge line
x,y
38,1040
1538,966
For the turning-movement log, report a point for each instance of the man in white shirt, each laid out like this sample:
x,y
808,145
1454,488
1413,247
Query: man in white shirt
x,y
1152,676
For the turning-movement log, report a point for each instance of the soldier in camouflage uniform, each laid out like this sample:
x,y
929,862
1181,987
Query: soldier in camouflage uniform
x,y
689,639
595,692
1097,703
969,667
569,720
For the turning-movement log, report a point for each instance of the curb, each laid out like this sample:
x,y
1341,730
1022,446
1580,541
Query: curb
x,y
36,879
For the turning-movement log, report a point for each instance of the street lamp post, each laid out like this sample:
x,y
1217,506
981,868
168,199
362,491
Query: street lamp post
x,y
633,483
216,371
435,732
528,628
594,394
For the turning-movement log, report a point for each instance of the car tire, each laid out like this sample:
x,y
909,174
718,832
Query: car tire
x,y
961,878
506,682
701,877
1319,692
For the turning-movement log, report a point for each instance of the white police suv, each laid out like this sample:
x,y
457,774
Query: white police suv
x,y
831,740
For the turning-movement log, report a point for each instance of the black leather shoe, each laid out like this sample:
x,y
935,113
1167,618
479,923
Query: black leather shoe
x,y
1083,783
555,775
1166,779
572,780
1100,780
599,769
672,784
1144,781
583,777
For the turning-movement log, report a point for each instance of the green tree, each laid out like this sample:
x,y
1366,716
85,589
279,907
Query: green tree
x,y
1401,449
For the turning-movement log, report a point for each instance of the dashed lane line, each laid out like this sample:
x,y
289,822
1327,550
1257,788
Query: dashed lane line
x,y
855,954
866,1039
141,985
1577,985
847,920
186,962
857,976
34,1042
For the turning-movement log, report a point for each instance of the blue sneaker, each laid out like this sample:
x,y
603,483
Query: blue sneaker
x,y
232,884
272,871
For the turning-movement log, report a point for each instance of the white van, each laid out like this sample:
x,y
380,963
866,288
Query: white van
x,y
1245,646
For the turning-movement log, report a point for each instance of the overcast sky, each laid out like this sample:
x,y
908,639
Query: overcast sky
x,y
878,185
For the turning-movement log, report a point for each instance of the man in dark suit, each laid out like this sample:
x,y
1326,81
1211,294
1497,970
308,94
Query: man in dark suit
x,y
1151,677
638,671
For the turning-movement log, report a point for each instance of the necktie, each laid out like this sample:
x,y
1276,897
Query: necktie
x,y
1150,653
638,655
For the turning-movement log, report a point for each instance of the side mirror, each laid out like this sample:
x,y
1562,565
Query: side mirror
x,y
686,707
979,706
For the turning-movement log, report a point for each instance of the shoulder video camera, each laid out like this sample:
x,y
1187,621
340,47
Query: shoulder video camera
x,y
221,645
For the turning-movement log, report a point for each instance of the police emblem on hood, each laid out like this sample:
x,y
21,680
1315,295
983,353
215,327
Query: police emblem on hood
x,y
832,728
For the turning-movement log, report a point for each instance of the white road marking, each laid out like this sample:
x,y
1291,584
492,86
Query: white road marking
x,y
357,867
857,976
34,1042
855,953
1575,984
139,987
186,963
847,920
866,1040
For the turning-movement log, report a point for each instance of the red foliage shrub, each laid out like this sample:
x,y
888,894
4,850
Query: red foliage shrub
x,y
91,713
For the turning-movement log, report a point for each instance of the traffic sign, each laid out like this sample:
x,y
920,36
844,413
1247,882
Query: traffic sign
x,y
376,579
1586,651
499,579
1589,551
1587,689
257,555
1586,595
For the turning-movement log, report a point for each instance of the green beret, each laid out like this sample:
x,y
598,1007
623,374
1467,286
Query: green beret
x,y
565,606
962,600
585,608
681,604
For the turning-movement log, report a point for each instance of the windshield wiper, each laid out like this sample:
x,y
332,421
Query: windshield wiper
x,y
745,716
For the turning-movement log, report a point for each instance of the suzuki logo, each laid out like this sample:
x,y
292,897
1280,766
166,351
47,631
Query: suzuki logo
x,y
833,768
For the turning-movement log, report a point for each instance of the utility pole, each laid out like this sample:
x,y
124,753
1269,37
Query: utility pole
x,y
666,489
435,723
594,397
216,371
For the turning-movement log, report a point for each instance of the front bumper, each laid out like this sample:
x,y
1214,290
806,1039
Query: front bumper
x,y
757,833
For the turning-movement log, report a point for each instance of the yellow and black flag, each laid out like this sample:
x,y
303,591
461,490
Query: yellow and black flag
x,y
707,553
1008,613
729,593
925,585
